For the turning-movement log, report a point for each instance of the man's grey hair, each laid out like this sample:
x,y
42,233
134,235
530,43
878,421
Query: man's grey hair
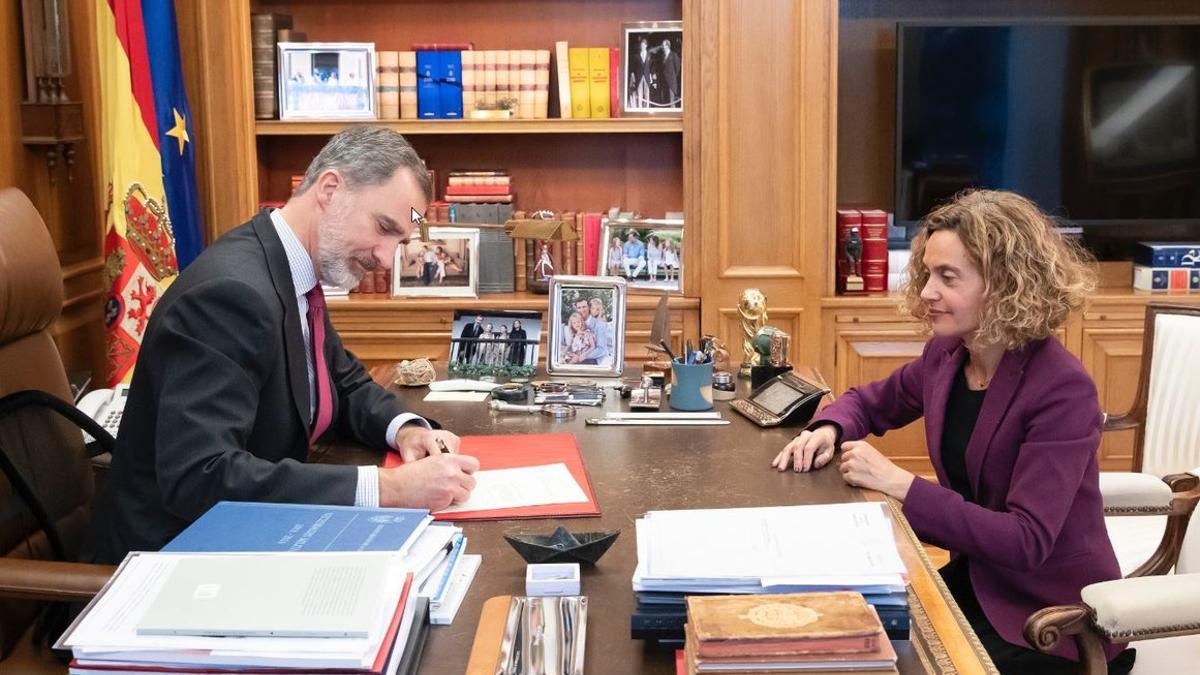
x,y
367,155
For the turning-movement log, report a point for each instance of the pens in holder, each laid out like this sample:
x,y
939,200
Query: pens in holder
x,y
442,447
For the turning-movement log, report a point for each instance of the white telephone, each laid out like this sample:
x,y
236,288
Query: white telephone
x,y
105,406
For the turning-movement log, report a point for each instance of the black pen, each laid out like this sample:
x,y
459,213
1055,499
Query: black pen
x,y
668,348
442,446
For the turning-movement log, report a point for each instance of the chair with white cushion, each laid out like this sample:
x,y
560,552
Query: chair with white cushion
x,y
1145,522
1158,615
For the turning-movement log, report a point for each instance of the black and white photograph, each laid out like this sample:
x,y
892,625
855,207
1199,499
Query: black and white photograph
x,y
648,253
327,80
652,63
587,326
495,341
445,265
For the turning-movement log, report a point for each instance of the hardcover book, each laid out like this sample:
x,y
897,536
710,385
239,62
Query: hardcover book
x,y
581,97
429,95
751,619
598,73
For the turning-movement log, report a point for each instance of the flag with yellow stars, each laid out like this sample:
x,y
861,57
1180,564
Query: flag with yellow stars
x,y
153,225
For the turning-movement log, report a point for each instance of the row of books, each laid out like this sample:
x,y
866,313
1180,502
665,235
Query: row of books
x,y
1167,266
281,587
787,633
483,187
862,251
267,30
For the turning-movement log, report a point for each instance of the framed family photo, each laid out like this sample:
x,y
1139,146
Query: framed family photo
x,y
495,342
586,335
652,64
647,253
327,80
447,264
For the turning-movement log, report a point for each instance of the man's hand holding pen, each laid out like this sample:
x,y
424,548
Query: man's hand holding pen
x,y
433,476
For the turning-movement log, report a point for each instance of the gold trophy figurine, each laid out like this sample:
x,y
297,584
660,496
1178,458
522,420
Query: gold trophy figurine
x,y
752,307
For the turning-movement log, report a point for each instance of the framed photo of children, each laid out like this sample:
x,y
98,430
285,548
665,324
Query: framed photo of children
x,y
586,335
327,80
652,67
646,253
495,342
445,265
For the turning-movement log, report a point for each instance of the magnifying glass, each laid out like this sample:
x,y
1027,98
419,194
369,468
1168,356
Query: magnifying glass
x,y
556,411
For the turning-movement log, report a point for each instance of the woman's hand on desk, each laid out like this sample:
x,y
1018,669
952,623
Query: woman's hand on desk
x,y
414,441
865,467
810,450
432,483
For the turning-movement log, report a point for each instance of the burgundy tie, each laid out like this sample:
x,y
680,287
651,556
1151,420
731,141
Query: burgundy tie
x,y
323,413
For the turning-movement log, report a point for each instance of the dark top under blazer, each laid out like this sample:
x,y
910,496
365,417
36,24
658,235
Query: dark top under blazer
x,y
218,408
1036,536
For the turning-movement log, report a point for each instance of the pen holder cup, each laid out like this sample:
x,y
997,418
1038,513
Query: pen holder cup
x,y
691,387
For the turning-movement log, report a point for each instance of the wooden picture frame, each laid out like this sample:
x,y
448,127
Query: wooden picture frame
x,y
592,346
447,265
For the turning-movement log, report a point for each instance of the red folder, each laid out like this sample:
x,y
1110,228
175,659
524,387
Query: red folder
x,y
517,450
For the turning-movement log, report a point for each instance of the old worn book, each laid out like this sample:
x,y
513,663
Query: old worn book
x,y
879,661
836,621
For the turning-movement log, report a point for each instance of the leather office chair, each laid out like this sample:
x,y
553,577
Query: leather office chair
x,y
1159,615
46,485
1145,522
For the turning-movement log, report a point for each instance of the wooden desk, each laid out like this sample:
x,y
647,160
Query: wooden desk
x,y
638,469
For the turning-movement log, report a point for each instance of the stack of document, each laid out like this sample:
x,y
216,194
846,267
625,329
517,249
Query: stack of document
x,y
787,549
447,574
216,612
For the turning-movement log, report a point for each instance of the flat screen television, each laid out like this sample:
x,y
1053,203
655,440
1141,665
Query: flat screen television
x,y
1097,122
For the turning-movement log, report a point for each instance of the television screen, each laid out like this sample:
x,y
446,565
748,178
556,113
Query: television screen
x,y
1097,123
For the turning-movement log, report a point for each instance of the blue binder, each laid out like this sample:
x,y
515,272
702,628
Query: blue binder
x,y
451,86
256,526
429,95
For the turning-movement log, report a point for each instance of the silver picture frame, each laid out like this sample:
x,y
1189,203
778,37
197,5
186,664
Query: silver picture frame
x,y
593,346
327,80
660,266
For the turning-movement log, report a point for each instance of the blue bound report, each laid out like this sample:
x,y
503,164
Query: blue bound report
x,y
257,526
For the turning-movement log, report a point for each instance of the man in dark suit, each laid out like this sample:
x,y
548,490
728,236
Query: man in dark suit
x,y
466,350
240,369
672,69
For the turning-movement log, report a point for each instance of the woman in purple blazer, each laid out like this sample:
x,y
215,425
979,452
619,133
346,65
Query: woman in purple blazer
x,y
1011,418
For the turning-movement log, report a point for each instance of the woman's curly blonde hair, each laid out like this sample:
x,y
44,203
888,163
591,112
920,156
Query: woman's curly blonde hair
x,y
1033,275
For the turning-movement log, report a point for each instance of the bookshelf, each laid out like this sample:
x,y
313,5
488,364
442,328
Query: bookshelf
x,y
621,125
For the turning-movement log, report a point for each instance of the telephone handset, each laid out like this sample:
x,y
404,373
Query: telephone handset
x,y
105,406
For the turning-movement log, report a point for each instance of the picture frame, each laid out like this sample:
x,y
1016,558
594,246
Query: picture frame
x,y
327,80
447,265
659,267
652,72
593,346
495,342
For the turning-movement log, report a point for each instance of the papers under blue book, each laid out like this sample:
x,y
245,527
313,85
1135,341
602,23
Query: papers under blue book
x,y
256,526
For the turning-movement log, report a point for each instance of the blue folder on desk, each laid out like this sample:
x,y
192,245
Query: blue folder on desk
x,y
257,526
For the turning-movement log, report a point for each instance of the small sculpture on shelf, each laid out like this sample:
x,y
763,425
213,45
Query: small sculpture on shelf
x,y
854,247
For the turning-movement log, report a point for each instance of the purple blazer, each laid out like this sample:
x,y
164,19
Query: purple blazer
x,y
1036,536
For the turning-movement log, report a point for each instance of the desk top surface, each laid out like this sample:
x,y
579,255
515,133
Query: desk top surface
x,y
638,469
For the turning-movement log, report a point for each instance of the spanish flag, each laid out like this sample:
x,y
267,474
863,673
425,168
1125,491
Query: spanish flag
x,y
153,225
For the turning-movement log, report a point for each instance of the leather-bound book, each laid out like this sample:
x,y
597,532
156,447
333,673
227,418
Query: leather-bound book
x,y
790,623
387,84
408,85
526,83
468,83
263,61
598,81
875,250
541,83
581,96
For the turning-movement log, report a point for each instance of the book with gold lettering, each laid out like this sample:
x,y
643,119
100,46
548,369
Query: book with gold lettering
x,y
839,621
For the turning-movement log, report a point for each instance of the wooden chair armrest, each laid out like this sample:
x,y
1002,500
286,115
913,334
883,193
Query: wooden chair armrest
x,y
50,580
1183,504
1045,627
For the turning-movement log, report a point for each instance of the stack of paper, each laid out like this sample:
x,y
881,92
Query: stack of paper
x,y
786,549
450,575
179,612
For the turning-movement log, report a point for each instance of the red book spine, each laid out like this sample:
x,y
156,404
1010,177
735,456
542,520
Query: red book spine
x,y
875,250
846,219
614,82
591,243
477,189
443,46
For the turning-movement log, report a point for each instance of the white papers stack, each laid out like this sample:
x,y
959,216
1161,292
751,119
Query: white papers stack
x,y
447,582
106,637
769,550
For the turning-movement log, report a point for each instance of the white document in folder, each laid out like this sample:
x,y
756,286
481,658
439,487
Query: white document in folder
x,y
524,486
778,545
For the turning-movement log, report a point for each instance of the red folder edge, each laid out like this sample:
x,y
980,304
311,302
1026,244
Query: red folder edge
x,y
518,450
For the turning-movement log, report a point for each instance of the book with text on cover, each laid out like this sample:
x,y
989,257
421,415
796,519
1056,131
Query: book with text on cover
x,y
726,625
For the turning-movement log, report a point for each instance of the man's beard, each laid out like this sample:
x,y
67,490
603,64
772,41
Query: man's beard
x,y
334,259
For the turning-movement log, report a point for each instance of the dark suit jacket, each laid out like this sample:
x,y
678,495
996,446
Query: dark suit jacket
x,y
467,349
671,70
218,408
1035,535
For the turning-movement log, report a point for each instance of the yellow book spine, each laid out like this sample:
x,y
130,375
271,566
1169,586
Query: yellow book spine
x,y
581,99
598,81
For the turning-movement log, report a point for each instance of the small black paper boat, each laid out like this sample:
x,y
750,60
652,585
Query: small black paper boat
x,y
562,546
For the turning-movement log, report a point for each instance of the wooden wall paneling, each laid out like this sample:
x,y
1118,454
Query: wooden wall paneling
x,y
215,47
766,189
1113,357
